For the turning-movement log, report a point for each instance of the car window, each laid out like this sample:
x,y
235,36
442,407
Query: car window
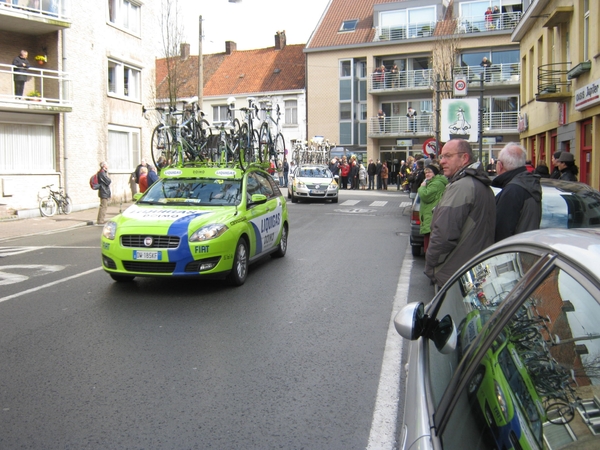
x,y
265,185
538,383
213,192
315,172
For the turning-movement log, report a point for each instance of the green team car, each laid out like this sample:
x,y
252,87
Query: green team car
x,y
198,221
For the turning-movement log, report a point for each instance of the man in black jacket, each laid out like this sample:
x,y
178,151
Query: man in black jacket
x,y
371,172
21,67
103,192
519,204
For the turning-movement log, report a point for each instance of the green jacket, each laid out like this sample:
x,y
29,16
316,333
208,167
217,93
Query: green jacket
x,y
430,195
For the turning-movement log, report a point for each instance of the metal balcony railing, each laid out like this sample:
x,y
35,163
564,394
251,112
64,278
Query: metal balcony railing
x,y
424,124
497,73
422,78
54,87
477,24
401,32
54,9
552,78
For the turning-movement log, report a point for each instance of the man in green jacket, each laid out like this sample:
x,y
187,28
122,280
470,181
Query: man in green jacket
x,y
464,220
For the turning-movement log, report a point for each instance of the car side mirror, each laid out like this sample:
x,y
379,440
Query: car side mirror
x,y
258,199
410,321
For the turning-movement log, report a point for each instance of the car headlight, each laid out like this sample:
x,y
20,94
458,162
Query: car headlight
x,y
333,186
110,230
501,401
214,230
300,184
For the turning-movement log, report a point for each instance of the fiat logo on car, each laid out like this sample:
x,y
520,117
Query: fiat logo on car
x,y
148,241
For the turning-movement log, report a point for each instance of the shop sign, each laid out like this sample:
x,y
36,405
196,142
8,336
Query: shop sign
x,y
404,142
587,96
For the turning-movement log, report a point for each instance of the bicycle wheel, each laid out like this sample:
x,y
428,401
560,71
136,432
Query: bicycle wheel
x,y
559,412
279,151
264,139
243,145
66,205
206,138
48,206
160,146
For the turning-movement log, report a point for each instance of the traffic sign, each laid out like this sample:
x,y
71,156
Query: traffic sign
x,y
460,86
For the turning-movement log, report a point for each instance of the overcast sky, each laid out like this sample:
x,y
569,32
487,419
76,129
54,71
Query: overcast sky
x,y
251,24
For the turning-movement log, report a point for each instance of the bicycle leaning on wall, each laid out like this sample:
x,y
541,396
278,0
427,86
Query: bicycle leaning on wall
x,y
55,201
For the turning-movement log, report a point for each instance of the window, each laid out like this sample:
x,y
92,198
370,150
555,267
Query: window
x,y
349,25
124,14
345,111
291,112
411,22
345,68
220,113
586,30
124,80
123,152
27,148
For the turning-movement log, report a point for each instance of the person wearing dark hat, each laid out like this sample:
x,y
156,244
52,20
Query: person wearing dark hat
x,y
430,193
519,203
555,172
567,167
542,170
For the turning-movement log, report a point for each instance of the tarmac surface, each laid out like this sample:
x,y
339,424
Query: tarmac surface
x,y
13,228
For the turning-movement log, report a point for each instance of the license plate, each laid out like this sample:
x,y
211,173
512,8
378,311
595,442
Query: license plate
x,y
316,192
148,256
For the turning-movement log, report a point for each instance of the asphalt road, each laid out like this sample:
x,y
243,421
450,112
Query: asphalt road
x,y
296,358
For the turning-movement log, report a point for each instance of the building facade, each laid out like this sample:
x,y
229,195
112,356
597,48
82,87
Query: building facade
x,y
90,74
369,61
560,102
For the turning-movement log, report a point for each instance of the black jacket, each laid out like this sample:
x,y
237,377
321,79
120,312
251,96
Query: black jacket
x,y
21,68
372,169
519,204
567,174
104,190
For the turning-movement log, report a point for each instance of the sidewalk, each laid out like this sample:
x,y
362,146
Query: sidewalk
x,y
12,228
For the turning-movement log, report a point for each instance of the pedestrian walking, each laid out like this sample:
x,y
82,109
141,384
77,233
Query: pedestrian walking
x,y
103,192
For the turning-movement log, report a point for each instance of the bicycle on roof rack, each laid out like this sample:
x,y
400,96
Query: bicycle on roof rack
x,y
53,201
272,144
248,136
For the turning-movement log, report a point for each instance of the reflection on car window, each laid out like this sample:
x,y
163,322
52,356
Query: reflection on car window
x,y
195,192
315,172
538,385
577,207
265,186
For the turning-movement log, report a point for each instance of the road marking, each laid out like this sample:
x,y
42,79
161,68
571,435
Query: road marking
x,y
405,204
350,203
10,251
53,283
378,203
385,414
12,278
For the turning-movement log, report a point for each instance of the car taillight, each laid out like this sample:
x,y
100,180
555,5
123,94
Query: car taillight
x,y
415,219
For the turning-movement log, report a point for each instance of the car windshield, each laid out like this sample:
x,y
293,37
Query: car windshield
x,y
315,172
213,192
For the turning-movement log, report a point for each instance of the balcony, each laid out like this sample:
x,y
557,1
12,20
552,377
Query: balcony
x,y
403,32
478,24
493,123
500,74
54,90
553,83
420,80
34,17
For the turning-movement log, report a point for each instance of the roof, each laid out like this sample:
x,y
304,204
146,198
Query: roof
x,y
327,33
237,72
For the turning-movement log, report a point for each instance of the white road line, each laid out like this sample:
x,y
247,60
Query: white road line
x,y
350,203
385,415
405,204
28,291
378,203
9,251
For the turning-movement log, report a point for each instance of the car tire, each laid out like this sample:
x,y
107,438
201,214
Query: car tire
x,y
294,198
282,247
239,271
475,382
334,200
122,278
416,250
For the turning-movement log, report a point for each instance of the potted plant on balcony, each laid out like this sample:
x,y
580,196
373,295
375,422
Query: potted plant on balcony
x,y
41,59
34,96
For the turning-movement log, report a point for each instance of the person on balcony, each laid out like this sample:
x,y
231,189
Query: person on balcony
x,y
487,68
488,18
378,77
21,67
394,75
381,117
412,119
497,16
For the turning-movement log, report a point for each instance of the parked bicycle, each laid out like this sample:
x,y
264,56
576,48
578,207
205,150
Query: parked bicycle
x,y
55,201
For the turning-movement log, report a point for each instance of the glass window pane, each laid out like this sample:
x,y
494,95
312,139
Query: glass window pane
x,y
345,111
345,89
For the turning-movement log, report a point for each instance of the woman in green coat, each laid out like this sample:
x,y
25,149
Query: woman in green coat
x,y
430,193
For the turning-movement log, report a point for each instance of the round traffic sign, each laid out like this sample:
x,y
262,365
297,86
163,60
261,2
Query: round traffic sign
x,y
430,146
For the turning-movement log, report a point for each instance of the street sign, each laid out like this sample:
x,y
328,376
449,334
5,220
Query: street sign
x,y
460,86
430,147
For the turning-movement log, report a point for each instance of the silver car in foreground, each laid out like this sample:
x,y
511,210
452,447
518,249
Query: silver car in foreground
x,y
312,181
507,354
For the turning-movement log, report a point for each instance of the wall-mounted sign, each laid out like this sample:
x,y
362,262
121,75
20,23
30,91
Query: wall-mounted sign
x,y
523,123
587,96
460,119
488,140
562,114
404,142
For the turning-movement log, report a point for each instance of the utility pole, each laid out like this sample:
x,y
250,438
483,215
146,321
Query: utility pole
x,y
200,65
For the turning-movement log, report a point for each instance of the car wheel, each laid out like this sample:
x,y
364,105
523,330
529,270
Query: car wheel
x,y
282,247
289,190
121,278
294,198
416,250
475,382
334,200
239,271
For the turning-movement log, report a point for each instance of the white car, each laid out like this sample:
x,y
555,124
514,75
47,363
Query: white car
x,y
312,181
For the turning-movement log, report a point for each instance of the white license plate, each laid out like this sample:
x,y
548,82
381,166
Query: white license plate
x,y
316,192
148,256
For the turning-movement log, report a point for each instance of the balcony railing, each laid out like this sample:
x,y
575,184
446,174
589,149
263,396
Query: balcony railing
x,y
424,125
406,79
553,81
477,24
497,73
53,9
401,32
54,87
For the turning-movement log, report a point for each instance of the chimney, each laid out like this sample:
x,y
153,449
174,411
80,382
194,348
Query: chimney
x,y
279,40
184,51
230,47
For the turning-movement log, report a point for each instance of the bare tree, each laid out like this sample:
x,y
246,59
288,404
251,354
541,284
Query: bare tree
x,y
171,26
